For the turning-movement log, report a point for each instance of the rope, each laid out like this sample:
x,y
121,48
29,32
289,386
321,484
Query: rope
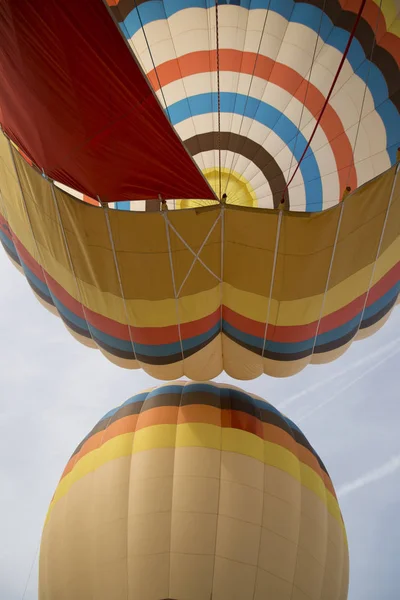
x,y
346,51
221,287
178,321
219,101
121,288
378,251
121,24
248,93
197,256
345,194
30,572
307,87
365,90
69,256
271,287
328,277
151,56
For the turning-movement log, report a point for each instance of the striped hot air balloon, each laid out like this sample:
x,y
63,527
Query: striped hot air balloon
x,y
194,491
275,124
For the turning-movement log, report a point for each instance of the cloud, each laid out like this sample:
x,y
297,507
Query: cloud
x,y
388,468
349,384
348,369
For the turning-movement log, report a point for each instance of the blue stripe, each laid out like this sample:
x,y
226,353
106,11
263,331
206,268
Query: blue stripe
x,y
266,115
9,243
125,205
303,14
324,338
62,309
202,388
188,344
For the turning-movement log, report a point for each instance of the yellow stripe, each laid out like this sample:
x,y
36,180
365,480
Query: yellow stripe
x,y
205,436
159,313
390,13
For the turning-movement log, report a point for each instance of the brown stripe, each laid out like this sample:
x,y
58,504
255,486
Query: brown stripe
x,y
246,147
121,10
226,419
204,407
340,18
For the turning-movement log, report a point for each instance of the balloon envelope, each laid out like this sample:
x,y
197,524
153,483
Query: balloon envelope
x,y
191,491
238,286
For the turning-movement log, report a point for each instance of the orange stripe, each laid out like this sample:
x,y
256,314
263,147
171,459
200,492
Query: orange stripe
x,y
281,75
201,414
373,15
90,200
278,436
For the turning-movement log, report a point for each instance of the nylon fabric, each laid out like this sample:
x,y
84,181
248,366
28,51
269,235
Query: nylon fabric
x,y
79,107
222,326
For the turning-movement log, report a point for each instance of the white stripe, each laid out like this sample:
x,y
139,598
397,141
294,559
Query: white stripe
x,y
69,190
256,132
291,44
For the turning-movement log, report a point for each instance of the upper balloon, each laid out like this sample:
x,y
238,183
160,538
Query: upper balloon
x,y
275,100
277,60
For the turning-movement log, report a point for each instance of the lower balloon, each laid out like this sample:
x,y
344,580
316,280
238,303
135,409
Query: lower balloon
x,y
189,492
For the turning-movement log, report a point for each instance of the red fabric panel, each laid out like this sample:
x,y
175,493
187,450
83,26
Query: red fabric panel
x,y
74,100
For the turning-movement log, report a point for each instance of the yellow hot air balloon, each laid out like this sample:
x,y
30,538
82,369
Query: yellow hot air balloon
x,y
194,491
279,103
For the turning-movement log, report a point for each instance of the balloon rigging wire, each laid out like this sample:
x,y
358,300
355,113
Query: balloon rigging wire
x,y
121,25
344,56
219,100
341,218
30,572
365,89
150,54
118,272
306,91
232,167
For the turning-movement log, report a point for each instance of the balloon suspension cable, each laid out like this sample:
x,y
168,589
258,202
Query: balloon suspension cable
x,y
28,579
346,192
313,59
379,248
233,161
348,188
345,53
104,206
150,54
219,102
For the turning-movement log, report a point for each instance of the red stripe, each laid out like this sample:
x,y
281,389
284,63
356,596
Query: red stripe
x,y
375,18
278,74
169,334
299,333
326,102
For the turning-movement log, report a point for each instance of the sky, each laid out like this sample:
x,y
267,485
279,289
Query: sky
x,y
53,391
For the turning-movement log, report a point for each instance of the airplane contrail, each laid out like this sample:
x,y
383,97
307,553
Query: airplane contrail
x,y
347,369
388,468
348,385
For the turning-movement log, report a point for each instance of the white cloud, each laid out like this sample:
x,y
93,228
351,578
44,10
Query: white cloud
x,y
349,384
388,468
351,366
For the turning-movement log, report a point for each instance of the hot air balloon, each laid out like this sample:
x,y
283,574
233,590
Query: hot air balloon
x,y
274,125
194,491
